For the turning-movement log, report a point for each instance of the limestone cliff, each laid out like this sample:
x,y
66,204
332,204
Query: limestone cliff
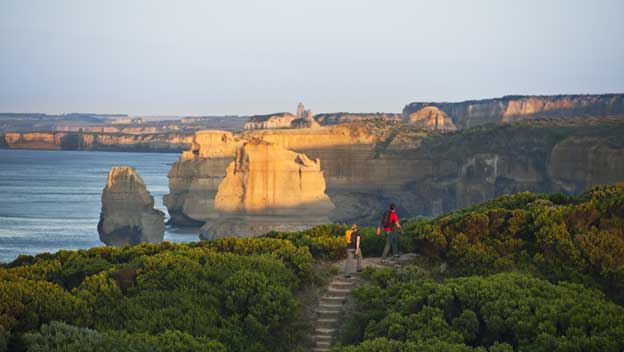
x,y
510,108
128,215
367,165
268,188
194,179
158,142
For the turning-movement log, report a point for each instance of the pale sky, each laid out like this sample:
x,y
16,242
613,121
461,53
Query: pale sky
x,y
246,57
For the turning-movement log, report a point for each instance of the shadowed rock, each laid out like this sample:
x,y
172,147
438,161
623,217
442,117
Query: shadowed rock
x,y
128,215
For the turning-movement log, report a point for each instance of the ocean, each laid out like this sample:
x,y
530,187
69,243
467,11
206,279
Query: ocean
x,y
51,200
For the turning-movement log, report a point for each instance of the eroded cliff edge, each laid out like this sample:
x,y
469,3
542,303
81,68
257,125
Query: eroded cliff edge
x,y
472,113
366,165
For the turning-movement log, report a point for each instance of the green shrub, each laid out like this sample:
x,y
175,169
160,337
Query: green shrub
x,y
578,239
61,337
161,297
498,312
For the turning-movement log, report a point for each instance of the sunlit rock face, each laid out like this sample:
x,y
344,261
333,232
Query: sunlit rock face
x,y
432,119
269,188
128,215
271,121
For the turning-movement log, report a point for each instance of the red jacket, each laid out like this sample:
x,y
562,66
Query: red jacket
x,y
393,219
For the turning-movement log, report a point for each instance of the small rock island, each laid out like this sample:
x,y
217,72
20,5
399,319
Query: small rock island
x,y
128,215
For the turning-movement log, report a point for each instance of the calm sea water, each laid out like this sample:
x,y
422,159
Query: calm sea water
x,y
51,200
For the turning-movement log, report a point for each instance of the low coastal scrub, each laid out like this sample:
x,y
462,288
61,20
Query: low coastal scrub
x,y
557,237
503,312
225,295
327,242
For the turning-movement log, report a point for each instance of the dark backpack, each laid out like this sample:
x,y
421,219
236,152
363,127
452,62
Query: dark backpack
x,y
385,220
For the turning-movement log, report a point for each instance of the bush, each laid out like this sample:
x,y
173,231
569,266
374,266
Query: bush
x,y
163,297
500,312
61,337
578,239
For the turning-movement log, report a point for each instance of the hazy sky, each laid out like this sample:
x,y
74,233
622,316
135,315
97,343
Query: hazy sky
x,y
241,57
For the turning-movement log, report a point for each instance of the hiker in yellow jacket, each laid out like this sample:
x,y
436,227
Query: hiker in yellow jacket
x,y
352,237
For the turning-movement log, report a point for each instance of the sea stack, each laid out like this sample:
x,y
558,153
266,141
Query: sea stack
x,y
128,215
269,188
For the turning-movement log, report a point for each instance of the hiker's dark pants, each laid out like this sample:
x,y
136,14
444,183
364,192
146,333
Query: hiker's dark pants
x,y
391,240
349,264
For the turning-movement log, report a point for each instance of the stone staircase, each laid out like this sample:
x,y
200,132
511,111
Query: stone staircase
x,y
329,312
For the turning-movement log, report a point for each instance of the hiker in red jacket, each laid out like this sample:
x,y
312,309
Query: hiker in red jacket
x,y
390,223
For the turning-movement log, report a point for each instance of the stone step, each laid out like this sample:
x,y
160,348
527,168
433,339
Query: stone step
x,y
330,306
343,282
333,290
323,331
328,314
323,337
326,344
332,300
320,349
326,323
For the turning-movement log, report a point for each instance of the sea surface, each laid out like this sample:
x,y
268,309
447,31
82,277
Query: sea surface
x,y
51,200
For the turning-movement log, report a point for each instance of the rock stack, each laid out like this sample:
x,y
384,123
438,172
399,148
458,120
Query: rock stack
x,y
128,215
269,188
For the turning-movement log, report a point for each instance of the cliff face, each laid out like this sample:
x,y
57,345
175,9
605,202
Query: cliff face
x,y
162,142
368,165
268,188
128,215
195,178
510,108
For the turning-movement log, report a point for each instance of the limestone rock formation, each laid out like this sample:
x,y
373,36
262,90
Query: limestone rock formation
x,y
431,118
271,121
367,165
511,108
269,188
194,179
128,215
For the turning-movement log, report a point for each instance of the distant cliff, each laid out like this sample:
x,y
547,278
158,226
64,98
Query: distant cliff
x,y
155,142
510,108
345,117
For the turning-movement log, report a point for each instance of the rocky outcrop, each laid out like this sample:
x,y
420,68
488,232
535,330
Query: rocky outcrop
x,y
271,121
128,215
268,188
158,142
511,108
431,118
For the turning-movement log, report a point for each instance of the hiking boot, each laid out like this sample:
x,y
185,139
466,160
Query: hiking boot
x,y
359,270
347,276
383,261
